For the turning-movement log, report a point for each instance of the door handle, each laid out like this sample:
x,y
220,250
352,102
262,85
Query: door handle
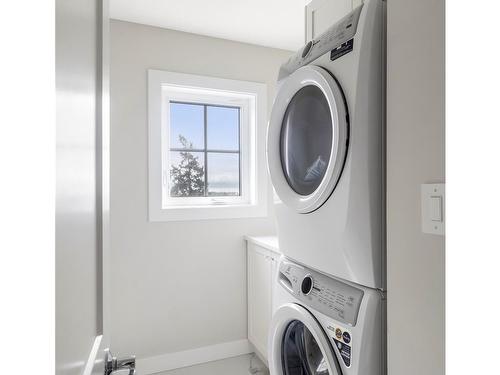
x,y
118,366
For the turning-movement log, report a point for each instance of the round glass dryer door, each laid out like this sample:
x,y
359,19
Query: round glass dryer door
x,y
298,344
307,138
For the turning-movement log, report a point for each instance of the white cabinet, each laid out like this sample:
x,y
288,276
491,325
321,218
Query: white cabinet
x,y
321,14
262,258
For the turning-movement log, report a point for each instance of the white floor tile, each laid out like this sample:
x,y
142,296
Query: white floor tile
x,y
240,365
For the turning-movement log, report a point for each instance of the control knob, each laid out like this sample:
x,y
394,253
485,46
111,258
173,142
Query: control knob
x,y
307,285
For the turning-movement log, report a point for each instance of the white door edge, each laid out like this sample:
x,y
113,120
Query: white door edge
x,y
94,351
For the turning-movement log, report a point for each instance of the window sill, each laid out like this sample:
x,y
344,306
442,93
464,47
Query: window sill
x,y
192,213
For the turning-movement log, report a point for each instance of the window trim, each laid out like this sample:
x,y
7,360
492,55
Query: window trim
x,y
251,98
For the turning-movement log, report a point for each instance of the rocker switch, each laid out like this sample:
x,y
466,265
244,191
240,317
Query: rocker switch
x,y
435,209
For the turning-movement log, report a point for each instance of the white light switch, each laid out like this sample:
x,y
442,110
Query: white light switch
x,y
433,208
435,212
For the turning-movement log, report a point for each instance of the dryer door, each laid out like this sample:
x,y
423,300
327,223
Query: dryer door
x,y
298,344
307,138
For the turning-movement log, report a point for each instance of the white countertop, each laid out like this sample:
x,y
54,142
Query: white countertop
x,y
267,242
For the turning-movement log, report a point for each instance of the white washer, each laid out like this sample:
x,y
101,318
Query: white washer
x,y
323,326
325,150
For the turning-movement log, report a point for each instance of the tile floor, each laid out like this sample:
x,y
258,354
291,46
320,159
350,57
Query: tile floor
x,y
247,364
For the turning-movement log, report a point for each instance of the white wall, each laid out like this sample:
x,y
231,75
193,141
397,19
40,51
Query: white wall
x,y
415,155
175,285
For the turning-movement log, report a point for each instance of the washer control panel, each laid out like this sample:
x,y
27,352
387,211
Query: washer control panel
x,y
331,297
333,38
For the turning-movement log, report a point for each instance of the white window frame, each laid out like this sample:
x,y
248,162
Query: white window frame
x,y
250,97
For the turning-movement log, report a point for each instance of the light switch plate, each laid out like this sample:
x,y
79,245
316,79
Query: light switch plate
x,y
433,208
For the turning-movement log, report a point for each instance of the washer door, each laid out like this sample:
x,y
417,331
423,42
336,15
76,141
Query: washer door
x,y
298,344
307,138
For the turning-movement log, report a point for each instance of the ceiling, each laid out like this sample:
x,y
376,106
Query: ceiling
x,y
270,23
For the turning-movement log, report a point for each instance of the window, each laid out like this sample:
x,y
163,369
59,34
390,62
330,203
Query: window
x,y
206,154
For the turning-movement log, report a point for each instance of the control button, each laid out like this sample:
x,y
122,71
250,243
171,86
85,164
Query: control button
x,y
307,285
307,48
347,337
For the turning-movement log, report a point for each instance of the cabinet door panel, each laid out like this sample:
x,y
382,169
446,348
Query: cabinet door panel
x,y
259,297
321,14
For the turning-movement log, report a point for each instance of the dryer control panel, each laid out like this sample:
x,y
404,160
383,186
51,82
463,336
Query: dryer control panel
x,y
337,37
329,296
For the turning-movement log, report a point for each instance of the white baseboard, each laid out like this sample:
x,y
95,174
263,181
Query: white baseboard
x,y
170,361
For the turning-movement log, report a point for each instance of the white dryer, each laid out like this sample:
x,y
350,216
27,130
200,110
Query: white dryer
x,y
323,326
325,150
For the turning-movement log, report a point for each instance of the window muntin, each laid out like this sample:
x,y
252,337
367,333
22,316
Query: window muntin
x,y
209,166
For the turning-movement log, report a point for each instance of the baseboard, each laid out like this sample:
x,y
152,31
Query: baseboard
x,y
170,361
259,354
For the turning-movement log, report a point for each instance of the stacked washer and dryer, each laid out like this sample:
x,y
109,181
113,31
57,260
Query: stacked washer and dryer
x,y
326,160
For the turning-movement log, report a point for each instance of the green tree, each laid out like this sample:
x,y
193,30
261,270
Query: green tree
x,y
188,177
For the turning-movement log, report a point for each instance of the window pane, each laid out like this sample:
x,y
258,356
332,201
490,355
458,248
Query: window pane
x,y
223,128
187,174
186,126
223,174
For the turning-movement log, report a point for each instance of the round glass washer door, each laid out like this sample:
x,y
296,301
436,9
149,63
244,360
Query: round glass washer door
x,y
298,344
307,138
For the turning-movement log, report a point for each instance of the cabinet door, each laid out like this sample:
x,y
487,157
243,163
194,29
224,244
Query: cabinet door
x,y
321,14
259,297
